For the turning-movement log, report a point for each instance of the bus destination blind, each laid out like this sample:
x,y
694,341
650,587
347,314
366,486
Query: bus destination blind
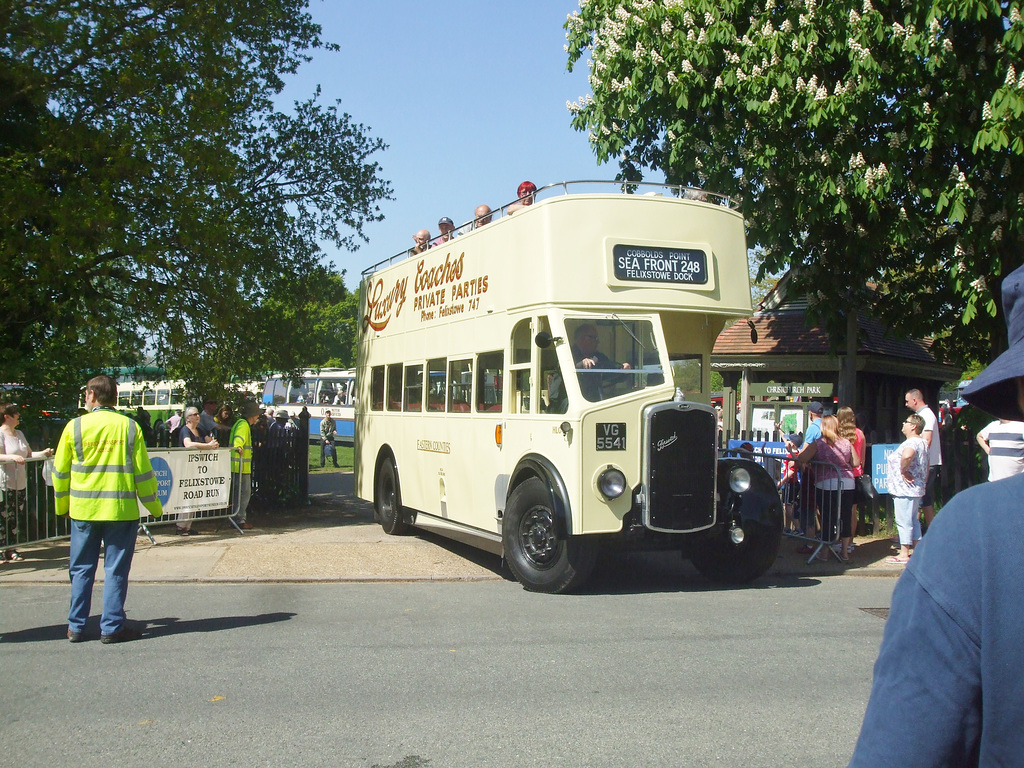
x,y
650,264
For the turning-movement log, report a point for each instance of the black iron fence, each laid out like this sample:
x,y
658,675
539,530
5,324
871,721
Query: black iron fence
x,y
280,464
280,461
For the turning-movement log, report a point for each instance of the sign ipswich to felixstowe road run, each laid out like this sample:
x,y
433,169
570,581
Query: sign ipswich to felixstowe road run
x,y
191,481
651,264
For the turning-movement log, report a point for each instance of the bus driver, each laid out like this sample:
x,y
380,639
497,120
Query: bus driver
x,y
585,355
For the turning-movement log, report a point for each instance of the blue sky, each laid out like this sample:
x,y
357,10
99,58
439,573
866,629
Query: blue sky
x,y
469,96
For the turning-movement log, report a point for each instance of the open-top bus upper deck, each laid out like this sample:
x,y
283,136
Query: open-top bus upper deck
x,y
651,252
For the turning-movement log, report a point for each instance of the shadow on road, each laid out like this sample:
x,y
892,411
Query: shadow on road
x,y
174,626
153,628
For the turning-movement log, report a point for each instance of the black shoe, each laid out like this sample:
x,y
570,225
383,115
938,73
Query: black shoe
x,y
74,637
124,635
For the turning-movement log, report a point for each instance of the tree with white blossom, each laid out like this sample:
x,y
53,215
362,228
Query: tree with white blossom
x,y
867,140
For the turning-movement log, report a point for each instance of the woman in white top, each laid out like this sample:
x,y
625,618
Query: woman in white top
x,y
14,449
193,436
907,479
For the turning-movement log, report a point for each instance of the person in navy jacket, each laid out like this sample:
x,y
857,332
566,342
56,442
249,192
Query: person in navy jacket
x,y
948,687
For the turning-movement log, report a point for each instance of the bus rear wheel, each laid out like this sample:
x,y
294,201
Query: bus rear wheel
x,y
541,555
387,500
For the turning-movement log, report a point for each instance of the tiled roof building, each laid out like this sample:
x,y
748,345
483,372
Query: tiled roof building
x,y
787,350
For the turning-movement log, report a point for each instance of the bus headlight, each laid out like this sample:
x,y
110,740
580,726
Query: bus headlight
x,y
611,483
739,480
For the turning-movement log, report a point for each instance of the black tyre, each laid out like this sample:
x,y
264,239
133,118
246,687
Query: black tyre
x,y
387,500
720,560
540,554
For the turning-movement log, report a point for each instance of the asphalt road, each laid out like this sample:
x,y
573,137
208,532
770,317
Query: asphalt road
x,y
635,672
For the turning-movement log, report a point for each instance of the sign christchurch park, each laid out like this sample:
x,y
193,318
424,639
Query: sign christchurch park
x,y
794,389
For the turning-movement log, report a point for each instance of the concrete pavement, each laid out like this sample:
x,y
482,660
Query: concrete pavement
x,y
335,539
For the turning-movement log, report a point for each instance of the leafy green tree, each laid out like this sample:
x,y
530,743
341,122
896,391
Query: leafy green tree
x,y
153,195
868,140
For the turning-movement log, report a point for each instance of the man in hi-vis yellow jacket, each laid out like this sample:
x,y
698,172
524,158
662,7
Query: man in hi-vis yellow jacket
x,y
101,472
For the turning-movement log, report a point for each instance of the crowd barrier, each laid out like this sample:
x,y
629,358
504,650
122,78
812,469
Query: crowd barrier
x,y
191,485
817,502
26,504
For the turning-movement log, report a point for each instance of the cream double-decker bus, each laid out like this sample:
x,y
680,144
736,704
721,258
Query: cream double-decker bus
x,y
539,386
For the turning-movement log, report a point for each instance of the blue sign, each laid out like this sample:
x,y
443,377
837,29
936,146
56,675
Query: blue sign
x,y
762,449
880,465
164,479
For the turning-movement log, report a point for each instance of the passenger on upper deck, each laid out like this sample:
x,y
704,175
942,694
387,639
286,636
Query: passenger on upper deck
x,y
447,227
482,215
525,193
422,239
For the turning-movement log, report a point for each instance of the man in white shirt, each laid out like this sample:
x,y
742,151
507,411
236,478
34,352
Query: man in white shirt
x,y
915,402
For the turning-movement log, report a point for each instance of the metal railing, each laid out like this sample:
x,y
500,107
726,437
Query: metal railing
x,y
562,188
27,511
821,508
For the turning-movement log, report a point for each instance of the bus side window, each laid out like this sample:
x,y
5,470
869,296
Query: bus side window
x,y
522,343
435,385
414,388
334,391
489,382
274,391
556,399
395,387
521,391
553,397
377,388
520,367
686,372
307,393
460,385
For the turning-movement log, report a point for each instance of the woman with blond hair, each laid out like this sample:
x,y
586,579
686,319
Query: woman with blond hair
x,y
835,459
848,428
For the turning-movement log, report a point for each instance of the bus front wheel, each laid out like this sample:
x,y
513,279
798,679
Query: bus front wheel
x,y
540,554
718,559
387,500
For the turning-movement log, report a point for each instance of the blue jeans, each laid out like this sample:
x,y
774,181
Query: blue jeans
x,y
118,539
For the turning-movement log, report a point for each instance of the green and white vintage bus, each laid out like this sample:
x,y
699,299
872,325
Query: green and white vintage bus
x,y
540,386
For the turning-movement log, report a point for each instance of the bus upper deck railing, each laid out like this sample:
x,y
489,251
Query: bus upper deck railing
x,y
562,188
